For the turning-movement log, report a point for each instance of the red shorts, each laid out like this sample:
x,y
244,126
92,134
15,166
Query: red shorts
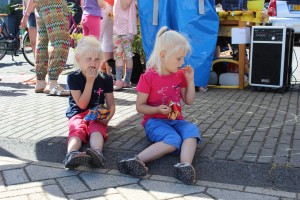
x,y
80,128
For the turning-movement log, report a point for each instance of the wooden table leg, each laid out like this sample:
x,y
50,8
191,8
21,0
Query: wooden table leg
x,y
242,48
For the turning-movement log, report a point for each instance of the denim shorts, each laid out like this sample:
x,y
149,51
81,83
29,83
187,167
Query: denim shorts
x,y
172,132
31,23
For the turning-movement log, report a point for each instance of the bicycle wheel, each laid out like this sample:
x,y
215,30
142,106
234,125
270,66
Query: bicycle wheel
x,y
27,50
2,45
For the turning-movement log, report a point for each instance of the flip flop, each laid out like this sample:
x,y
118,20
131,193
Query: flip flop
x,y
58,91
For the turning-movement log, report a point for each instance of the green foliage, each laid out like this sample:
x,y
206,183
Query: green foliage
x,y
9,9
137,46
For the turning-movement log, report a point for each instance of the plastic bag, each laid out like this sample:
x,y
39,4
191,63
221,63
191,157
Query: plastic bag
x,y
98,112
272,8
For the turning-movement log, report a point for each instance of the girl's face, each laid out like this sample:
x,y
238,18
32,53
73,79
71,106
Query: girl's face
x,y
88,60
171,63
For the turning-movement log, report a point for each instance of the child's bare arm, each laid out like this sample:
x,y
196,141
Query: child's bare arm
x,y
125,4
142,107
83,99
110,102
188,94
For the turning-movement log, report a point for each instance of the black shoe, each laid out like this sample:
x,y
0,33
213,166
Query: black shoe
x,y
96,157
75,159
133,167
185,173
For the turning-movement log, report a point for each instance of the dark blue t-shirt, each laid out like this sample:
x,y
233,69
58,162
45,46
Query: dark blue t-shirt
x,y
76,81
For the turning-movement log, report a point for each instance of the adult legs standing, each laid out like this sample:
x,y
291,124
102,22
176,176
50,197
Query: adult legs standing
x,y
52,27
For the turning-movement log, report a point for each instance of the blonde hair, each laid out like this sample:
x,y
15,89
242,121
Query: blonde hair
x,y
87,45
170,41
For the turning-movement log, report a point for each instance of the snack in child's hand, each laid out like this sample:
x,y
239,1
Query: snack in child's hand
x,y
175,110
98,112
184,67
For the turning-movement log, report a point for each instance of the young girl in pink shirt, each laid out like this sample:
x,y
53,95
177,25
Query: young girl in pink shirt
x,y
159,93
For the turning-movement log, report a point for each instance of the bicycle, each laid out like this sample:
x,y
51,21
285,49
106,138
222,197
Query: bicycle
x,y
12,44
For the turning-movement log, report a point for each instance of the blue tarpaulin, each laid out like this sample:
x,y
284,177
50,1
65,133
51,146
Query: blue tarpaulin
x,y
199,23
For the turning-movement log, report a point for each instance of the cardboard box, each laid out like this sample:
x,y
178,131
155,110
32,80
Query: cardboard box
x,y
240,35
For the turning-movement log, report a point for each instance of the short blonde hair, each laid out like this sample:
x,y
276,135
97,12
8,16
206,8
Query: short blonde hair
x,y
87,45
170,41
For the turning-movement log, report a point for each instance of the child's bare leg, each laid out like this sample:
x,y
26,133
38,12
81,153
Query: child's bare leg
x,y
184,171
128,72
107,56
96,143
96,140
74,144
188,149
155,151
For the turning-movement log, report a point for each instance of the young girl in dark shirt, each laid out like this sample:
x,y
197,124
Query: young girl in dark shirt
x,y
89,88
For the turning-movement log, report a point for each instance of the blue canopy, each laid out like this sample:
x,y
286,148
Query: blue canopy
x,y
199,23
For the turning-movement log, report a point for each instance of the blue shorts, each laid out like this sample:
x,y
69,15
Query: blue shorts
x,y
31,23
172,132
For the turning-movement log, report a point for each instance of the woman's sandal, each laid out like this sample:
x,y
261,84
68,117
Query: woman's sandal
x,y
57,91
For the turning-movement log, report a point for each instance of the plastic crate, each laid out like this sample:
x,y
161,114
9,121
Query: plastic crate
x,y
234,4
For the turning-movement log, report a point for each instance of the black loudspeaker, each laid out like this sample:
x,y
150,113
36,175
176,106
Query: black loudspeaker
x,y
271,56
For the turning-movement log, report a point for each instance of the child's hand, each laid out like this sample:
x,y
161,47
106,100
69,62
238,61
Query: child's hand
x,y
163,109
91,74
188,72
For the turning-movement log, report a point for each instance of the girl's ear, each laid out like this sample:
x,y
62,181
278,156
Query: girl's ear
x,y
162,54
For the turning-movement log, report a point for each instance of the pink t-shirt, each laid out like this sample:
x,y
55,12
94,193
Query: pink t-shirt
x,y
124,20
161,89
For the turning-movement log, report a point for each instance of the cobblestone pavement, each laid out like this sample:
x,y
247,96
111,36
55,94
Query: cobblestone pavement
x,y
250,138
27,180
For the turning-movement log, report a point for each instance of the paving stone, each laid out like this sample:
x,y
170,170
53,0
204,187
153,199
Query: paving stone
x,y
227,145
131,143
40,172
10,163
134,192
220,155
15,176
114,197
77,185
26,191
265,156
235,195
94,193
53,192
236,153
259,136
30,185
165,190
21,197
271,192
248,157
100,181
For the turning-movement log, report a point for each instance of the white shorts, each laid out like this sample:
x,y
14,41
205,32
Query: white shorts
x,y
106,30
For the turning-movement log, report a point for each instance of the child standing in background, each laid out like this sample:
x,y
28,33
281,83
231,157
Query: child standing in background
x,y
91,17
124,30
89,88
159,93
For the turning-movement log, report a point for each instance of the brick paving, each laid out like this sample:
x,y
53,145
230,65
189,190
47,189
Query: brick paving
x,y
250,137
27,180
